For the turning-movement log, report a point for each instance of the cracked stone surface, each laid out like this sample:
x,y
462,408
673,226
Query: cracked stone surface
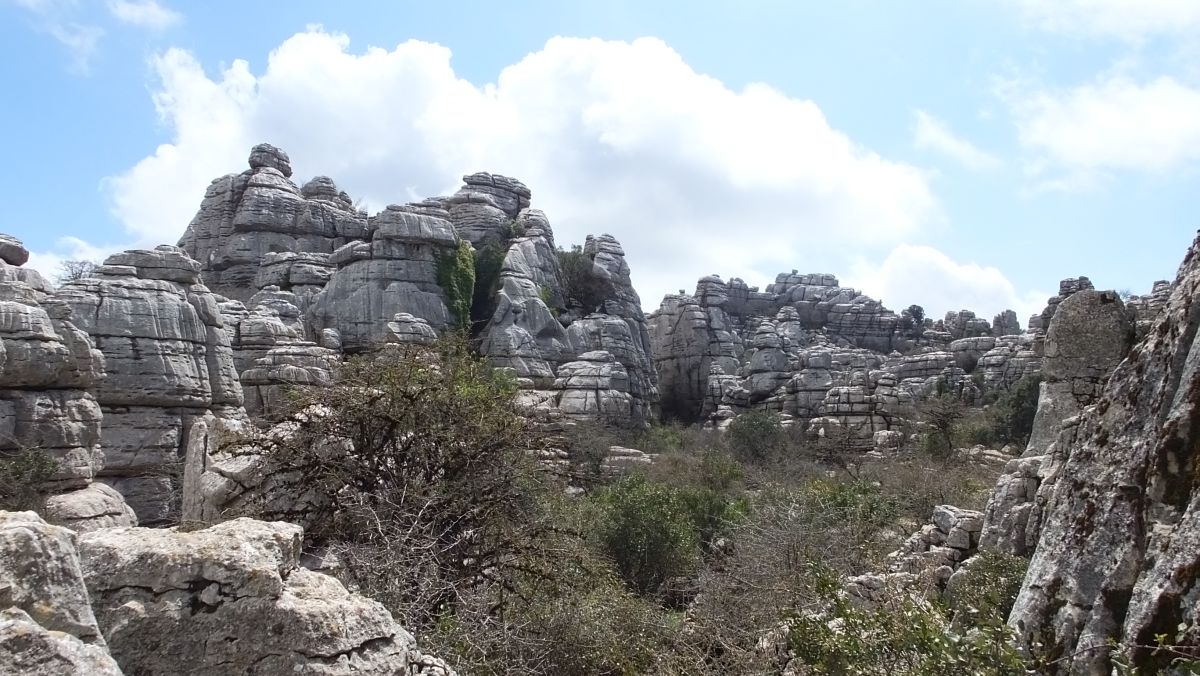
x,y
232,599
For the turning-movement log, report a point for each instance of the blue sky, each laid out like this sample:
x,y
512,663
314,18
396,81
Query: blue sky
x,y
964,153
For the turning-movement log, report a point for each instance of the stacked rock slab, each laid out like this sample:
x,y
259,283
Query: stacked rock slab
x,y
1119,550
49,371
172,386
47,627
247,217
1089,335
394,270
485,210
1066,287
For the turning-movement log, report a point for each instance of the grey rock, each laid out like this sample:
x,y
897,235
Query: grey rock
x,y
29,649
232,598
12,251
1117,552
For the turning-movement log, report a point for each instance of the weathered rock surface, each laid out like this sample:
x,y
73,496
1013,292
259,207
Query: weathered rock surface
x,y
393,270
1089,335
1119,550
249,222
232,599
49,372
171,383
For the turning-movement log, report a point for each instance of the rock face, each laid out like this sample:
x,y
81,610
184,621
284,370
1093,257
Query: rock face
x,y
46,622
820,354
1120,545
232,599
254,219
171,384
229,599
1089,335
49,371
394,270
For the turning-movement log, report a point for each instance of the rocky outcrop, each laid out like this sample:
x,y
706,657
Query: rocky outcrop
x,y
230,599
249,223
1088,337
393,270
1119,549
171,386
49,372
1066,287
47,626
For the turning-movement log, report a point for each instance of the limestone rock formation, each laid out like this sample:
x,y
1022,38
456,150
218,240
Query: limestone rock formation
x,y
49,372
1089,335
394,269
249,222
47,626
230,599
171,384
1118,551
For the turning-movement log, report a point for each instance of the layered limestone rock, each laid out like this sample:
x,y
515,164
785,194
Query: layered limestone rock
x,y
171,384
248,223
725,328
1119,550
393,270
233,599
47,626
1088,337
485,210
1145,308
1066,287
49,371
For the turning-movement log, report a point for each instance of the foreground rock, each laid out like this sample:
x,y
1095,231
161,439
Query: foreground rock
x,y
233,599
1118,554
46,622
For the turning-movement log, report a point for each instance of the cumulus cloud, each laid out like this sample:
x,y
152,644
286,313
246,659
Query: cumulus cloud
x,y
1114,123
925,276
144,14
930,133
692,176
1130,20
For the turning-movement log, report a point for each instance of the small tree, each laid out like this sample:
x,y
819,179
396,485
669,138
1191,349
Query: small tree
x,y
23,474
756,436
583,286
424,461
942,414
74,270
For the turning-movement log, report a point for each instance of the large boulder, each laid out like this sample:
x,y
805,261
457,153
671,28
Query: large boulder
x,y
232,599
1119,550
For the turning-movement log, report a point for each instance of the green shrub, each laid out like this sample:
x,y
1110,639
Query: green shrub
x,y
648,530
756,436
489,260
22,475
1013,412
456,276
583,286
988,589
901,636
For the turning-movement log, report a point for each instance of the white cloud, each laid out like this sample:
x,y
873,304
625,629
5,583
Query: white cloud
x,y
925,276
930,133
615,137
1130,20
1115,123
80,40
144,13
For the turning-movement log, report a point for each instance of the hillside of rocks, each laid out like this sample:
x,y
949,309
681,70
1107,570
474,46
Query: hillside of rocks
x,y
139,380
